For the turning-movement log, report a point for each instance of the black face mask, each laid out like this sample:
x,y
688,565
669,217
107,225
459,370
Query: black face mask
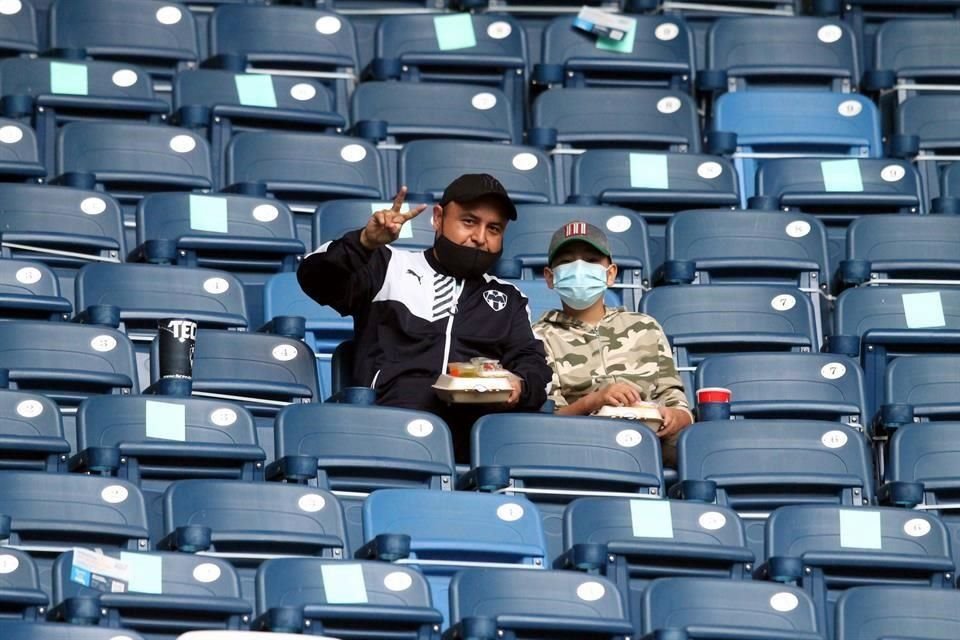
x,y
463,262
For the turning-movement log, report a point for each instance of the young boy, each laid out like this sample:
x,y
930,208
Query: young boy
x,y
599,355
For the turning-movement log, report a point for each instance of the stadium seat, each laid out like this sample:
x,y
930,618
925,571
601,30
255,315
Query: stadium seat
x,y
827,549
17,630
325,328
541,299
525,244
368,600
910,56
247,635
221,103
19,153
130,161
568,121
718,246
877,324
426,167
719,319
921,388
497,603
760,125
48,93
948,201
552,460
226,518
632,542
18,30
159,594
304,170
756,466
162,39
287,41
264,373
64,228
874,613
449,531
789,385
656,185
355,450
21,595
476,49
660,54
31,433
707,608
30,291
892,248
335,218
924,132
807,53
840,191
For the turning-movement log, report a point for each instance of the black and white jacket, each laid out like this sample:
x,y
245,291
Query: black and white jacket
x,y
411,318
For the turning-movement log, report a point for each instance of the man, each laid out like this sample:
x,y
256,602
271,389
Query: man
x,y
604,356
415,312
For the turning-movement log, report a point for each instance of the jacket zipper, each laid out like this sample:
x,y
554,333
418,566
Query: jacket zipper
x,y
457,290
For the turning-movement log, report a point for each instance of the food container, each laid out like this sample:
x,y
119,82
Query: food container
x,y
646,412
473,390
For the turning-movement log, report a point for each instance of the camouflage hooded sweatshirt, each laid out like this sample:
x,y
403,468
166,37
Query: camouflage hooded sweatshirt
x,y
624,347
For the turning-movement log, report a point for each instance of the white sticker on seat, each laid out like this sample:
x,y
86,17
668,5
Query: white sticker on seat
x,y
419,428
666,31
916,527
590,591
11,134
712,520
29,275
125,78
169,15
850,108
206,572
303,91
829,33
284,352
265,213
93,206
114,494
798,229
328,25
103,343
834,439
709,170
629,438
398,581
223,417
833,370
669,105
183,143
499,30
784,602
783,302
8,563
216,286
510,512
29,408
618,224
10,7
311,503
353,153
524,161
484,101
892,173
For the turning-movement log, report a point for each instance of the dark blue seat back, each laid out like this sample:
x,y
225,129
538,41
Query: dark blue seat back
x,y
21,596
916,50
930,384
30,290
335,218
19,153
874,613
31,433
18,30
910,247
17,630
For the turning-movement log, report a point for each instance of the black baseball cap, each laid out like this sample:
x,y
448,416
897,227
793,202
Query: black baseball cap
x,y
473,186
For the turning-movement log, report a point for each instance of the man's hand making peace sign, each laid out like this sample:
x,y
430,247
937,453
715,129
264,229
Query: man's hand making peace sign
x,y
384,226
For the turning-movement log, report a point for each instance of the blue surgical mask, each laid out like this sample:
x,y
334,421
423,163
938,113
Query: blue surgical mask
x,y
579,284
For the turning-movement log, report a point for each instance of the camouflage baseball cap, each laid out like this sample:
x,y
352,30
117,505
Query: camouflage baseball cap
x,y
577,231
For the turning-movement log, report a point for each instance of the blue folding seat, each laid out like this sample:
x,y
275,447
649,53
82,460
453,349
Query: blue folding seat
x,y
21,596
369,600
633,542
304,170
569,121
656,185
324,328
64,228
839,192
30,291
925,133
756,466
17,630
826,549
528,237
807,53
287,41
727,318
752,126
249,522
541,299
335,218
31,433
479,49
354,450
874,613
49,513
264,373
707,608
894,248
877,324
130,161
18,29
789,385
158,594
442,532
552,460
48,93
162,39
921,388
19,153
496,603
426,167
658,53
912,55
